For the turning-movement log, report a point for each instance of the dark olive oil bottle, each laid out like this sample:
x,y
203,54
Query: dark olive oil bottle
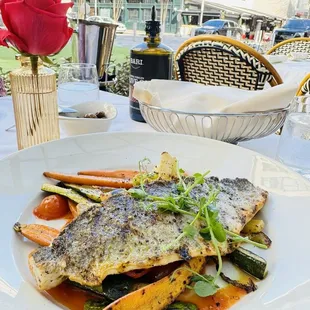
x,y
148,60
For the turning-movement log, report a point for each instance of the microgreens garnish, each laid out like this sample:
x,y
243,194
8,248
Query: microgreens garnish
x,y
202,209
204,284
181,185
216,229
190,230
143,171
235,238
144,175
199,179
143,164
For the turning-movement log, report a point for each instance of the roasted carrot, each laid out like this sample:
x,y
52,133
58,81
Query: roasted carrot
x,y
121,174
136,274
72,207
40,234
89,180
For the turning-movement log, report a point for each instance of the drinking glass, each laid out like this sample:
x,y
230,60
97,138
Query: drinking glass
x,y
77,83
294,145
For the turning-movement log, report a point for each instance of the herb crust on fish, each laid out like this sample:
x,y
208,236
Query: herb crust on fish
x,y
124,234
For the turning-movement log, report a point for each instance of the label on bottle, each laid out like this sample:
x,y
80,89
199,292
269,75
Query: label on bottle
x,y
145,68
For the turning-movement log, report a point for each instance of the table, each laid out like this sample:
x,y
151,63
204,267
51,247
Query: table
x,y
266,146
290,71
293,71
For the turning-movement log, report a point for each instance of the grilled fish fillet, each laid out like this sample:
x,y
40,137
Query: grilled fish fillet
x,y
123,236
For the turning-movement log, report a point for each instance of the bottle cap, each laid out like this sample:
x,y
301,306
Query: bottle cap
x,y
152,26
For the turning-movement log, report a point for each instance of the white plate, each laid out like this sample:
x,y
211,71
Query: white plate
x,y
287,212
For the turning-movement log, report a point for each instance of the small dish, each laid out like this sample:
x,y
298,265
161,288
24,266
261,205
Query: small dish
x,y
79,125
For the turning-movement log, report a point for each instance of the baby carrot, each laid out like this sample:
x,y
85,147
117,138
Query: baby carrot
x,y
89,180
122,174
40,234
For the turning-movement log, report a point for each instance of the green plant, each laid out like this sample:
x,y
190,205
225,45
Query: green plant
x,y
4,79
121,86
56,63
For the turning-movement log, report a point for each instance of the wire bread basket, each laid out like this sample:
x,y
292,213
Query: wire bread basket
x,y
231,128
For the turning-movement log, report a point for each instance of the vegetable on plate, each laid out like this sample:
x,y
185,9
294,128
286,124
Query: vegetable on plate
x,y
254,226
69,193
182,306
89,180
52,207
249,262
162,292
121,174
136,274
88,191
40,234
95,304
73,208
261,238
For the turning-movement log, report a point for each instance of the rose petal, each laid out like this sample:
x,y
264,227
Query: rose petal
x,y
60,8
5,36
44,33
70,32
40,4
5,18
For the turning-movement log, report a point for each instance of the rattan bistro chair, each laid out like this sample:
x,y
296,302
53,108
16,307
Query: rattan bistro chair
x,y
304,87
301,45
219,60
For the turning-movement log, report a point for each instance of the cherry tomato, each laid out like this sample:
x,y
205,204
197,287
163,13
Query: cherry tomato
x,y
52,207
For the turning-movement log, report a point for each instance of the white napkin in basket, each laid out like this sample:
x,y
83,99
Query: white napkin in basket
x,y
191,97
196,98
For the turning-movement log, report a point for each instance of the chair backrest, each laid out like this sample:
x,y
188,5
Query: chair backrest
x,y
304,87
301,45
219,60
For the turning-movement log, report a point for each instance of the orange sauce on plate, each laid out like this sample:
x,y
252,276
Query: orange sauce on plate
x,y
74,298
70,296
223,299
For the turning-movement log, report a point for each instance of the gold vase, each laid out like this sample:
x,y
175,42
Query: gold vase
x,y
34,95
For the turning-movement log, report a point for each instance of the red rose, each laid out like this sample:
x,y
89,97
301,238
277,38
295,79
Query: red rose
x,y
36,27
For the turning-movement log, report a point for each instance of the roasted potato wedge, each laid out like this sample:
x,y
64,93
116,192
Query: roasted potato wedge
x,y
159,295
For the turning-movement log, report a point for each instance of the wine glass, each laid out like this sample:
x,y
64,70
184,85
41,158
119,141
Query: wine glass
x,y
294,145
77,83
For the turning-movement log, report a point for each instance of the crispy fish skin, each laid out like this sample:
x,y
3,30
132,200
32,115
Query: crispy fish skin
x,y
123,236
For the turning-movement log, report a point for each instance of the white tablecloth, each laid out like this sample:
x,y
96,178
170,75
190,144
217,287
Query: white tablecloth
x,y
293,71
290,71
266,146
